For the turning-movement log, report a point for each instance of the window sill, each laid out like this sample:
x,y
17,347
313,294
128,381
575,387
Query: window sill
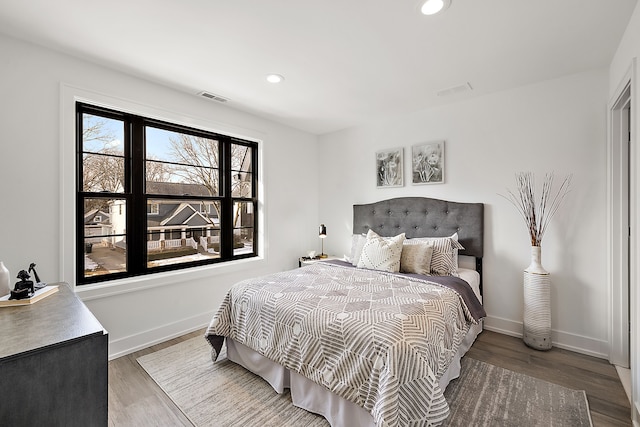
x,y
137,284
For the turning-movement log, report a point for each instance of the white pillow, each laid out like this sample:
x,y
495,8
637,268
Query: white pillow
x,y
416,258
381,253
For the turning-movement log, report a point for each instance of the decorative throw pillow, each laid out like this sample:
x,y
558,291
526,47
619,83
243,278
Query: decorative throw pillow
x,y
416,258
357,243
444,261
381,253
456,246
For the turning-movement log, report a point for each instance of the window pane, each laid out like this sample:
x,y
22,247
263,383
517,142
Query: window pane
x,y
241,184
182,231
243,241
241,169
102,135
241,158
104,236
243,228
102,257
179,164
180,180
102,173
181,148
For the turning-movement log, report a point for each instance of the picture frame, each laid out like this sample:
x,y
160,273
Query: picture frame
x,y
390,168
427,163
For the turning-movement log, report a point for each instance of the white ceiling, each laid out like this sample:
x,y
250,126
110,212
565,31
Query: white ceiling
x,y
345,61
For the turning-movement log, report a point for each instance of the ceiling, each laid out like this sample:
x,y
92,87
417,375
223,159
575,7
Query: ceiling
x,y
345,62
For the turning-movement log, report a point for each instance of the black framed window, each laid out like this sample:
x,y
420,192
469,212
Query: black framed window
x,y
155,196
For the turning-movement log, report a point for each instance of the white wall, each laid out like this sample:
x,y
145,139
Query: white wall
x,y
35,141
557,125
628,51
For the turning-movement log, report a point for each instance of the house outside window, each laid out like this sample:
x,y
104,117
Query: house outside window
x,y
186,196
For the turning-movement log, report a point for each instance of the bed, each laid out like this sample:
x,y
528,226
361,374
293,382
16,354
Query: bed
x,y
361,346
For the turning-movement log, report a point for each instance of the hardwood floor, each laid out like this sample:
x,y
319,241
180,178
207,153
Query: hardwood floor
x,y
136,400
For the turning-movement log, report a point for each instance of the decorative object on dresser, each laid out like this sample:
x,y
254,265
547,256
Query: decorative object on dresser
x,y
39,284
24,288
389,168
25,291
322,233
5,289
427,163
536,324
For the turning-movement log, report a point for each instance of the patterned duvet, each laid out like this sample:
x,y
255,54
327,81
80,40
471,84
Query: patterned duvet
x,y
379,340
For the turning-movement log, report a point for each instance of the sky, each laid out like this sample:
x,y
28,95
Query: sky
x,y
158,145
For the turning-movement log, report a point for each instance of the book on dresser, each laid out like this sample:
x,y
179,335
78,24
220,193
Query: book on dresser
x,y
37,296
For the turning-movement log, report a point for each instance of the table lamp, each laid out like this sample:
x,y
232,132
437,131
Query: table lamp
x,y
322,233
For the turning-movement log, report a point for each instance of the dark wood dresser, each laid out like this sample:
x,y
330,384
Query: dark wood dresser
x,y
53,363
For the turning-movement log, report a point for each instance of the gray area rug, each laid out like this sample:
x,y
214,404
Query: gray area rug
x,y
224,394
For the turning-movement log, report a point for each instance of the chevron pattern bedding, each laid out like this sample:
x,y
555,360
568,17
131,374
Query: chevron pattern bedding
x,y
380,340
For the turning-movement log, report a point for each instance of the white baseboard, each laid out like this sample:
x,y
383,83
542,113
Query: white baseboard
x,y
503,326
126,345
573,342
123,346
625,379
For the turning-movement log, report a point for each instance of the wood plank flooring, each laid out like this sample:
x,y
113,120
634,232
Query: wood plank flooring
x,y
136,400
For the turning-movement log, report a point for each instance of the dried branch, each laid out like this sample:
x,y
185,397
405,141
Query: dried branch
x,y
537,216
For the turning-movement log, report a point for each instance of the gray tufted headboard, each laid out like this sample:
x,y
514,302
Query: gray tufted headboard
x,y
424,217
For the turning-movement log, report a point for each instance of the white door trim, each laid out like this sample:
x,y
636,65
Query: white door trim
x,y
620,209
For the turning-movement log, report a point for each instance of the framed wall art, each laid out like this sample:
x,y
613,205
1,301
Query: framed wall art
x,y
389,168
427,163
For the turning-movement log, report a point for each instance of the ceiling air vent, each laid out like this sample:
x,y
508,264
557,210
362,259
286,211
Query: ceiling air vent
x,y
213,96
455,89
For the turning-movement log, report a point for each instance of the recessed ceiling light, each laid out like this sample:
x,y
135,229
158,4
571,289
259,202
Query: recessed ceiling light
x,y
274,78
431,7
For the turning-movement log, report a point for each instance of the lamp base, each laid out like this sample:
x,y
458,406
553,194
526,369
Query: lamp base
x,y
323,256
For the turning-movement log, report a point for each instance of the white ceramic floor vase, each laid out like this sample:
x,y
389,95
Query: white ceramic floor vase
x,y
537,304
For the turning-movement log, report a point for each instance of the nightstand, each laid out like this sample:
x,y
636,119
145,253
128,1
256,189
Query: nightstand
x,y
304,260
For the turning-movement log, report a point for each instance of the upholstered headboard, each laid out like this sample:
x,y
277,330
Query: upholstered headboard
x,y
424,217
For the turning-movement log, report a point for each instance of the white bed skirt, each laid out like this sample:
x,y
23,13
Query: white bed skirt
x,y
315,398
